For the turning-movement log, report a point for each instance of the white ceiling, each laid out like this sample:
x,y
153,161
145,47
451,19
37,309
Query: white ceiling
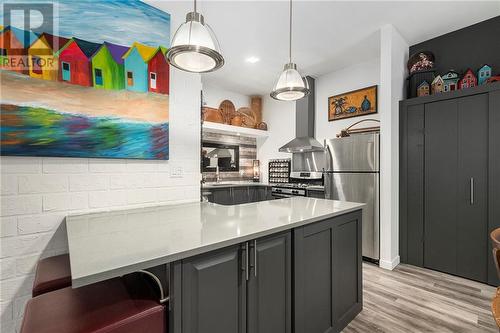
x,y
327,35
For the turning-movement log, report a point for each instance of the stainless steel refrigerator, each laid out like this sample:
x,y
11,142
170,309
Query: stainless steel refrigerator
x,y
352,174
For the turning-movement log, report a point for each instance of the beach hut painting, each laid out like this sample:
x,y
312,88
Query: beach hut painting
x,y
14,45
85,106
159,72
10,48
107,66
74,62
42,61
136,67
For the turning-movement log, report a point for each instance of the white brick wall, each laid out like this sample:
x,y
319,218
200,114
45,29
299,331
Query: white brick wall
x,y
37,193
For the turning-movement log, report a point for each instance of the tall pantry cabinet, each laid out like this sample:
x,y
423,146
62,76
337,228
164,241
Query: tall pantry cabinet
x,y
450,181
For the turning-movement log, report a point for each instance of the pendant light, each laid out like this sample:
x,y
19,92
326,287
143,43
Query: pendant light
x,y
194,46
290,86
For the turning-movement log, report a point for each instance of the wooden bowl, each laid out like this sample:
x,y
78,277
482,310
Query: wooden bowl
x,y
262,126
237,120
248,117
212,115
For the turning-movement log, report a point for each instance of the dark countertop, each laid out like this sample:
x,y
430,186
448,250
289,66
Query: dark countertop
x,y
211,185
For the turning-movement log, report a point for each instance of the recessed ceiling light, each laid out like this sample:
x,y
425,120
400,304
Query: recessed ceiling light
x,y
252,60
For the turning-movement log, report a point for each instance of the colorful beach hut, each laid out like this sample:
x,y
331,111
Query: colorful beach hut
x,y
107,67
136,67
159,72
43,63
74,62
14,44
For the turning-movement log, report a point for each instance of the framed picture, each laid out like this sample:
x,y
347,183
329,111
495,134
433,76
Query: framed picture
x,y
97,87
354,103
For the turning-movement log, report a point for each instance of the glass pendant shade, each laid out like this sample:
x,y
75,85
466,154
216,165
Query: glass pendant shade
x,y
290,86
194,46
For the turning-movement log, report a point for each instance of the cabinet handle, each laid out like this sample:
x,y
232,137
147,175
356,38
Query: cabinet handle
x,y
255,256
246,261
471,190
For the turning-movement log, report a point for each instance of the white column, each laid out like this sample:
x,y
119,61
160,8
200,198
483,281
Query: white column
x,y
393,57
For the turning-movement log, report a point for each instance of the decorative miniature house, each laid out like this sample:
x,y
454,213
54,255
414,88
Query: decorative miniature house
x,y
469,80
450,81
416,79
423,89
437,85
483,74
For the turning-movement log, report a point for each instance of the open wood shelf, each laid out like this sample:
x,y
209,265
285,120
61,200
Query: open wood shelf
x,y
233,130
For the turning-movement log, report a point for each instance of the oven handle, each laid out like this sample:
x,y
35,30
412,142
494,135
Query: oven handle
x,y
279,195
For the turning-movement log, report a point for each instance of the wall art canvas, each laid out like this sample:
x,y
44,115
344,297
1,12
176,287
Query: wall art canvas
x,y
96,84
354,103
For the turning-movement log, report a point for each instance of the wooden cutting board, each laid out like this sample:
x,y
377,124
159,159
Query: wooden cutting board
x,y
227,110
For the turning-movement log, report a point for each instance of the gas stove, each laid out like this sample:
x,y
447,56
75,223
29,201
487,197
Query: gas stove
x,y
287,192
299,182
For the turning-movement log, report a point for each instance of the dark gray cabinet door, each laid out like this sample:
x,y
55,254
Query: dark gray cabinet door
x,y
316,194
327,274
253,193
415,183
262,193
493,178
222,196
347,269
213,293
313,271
472,223
441,175
269,287
456,156
240,195
269,193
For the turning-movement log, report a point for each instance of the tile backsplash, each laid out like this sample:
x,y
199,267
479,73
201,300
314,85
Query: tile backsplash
x,y
248,153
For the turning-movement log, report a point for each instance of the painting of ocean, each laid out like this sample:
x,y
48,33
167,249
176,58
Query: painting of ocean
x,y
95,86
41,132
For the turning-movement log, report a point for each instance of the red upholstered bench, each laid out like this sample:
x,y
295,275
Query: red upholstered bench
x,y
120,305
52,273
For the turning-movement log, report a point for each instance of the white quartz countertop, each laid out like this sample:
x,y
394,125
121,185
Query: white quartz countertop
x,y
111,244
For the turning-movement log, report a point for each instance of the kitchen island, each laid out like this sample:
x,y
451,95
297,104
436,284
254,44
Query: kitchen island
x,y
231,268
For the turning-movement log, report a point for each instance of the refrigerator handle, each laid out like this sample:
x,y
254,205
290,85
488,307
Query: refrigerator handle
x,y
328,153
328,179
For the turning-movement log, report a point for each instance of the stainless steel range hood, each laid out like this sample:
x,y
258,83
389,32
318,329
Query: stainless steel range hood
x,y
302,145
304,125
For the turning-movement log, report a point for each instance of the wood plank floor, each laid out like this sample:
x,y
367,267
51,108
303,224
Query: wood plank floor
x,y
413,299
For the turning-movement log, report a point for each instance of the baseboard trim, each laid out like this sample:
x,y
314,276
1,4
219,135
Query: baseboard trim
x,y
390,265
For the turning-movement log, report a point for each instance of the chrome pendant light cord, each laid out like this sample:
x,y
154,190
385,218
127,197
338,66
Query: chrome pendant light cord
x,y
195,6
290,39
